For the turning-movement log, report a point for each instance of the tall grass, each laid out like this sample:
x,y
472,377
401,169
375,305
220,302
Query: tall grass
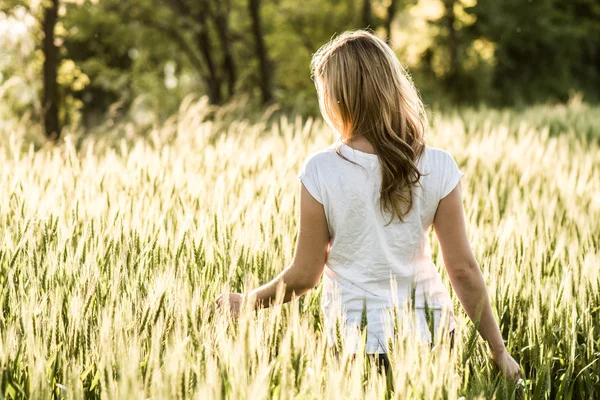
x,y
113,248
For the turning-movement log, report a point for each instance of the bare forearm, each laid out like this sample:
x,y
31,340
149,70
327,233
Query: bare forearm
x,y
266,294
472,292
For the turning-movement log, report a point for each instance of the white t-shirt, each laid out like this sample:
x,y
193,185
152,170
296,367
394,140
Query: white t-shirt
x,y
366,257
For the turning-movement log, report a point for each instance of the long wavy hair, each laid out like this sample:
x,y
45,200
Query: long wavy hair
x,y
364,91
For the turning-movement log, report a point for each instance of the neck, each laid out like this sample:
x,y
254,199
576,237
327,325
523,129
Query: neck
x,y
360,143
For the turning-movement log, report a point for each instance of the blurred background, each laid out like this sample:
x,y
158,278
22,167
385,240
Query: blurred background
x,y
76,64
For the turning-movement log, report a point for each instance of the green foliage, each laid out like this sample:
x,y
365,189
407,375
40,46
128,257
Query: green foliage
x,y
296,30
544,49
125,58
139,59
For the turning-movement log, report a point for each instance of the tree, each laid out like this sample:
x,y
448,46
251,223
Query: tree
x,y
194,18
261,51
366,13
50,97
542,49
46,17
195,27
220,14
391,12
392,9
449,21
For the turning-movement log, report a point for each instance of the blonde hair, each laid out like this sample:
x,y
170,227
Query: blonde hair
x,y
360,76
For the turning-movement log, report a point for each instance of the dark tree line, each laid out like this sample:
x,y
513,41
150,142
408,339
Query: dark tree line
x,y
502,53
192,34
189,26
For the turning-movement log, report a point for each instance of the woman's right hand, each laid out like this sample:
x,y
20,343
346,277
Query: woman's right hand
x,y
507,364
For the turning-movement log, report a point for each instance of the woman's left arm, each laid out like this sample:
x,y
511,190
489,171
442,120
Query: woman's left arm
x,y
306,268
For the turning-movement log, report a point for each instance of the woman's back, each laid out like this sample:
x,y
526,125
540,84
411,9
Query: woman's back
x,y
368,255
366,96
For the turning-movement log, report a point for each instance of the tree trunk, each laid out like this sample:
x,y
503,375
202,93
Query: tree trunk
x,y
50,98
366,14
261,51
195,20
450,18
221,19
203,41
391,12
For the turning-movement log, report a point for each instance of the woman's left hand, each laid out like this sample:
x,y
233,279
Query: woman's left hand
x,y
233,300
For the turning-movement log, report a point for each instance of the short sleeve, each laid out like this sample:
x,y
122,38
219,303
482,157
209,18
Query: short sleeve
x,y
309,176
451,175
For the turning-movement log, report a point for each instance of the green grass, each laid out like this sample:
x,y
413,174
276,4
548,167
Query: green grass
x,y
114,246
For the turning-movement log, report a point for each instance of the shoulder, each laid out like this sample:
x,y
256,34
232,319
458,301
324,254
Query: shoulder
x,y
435,158
435,153
313,171
443,172
320,157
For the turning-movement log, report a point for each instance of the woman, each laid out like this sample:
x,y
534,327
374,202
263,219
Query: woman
x,y
368,201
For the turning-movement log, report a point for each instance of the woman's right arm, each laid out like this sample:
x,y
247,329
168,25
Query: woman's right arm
x,y
466,277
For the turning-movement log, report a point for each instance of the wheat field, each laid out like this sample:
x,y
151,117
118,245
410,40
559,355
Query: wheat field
x,y
114,245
